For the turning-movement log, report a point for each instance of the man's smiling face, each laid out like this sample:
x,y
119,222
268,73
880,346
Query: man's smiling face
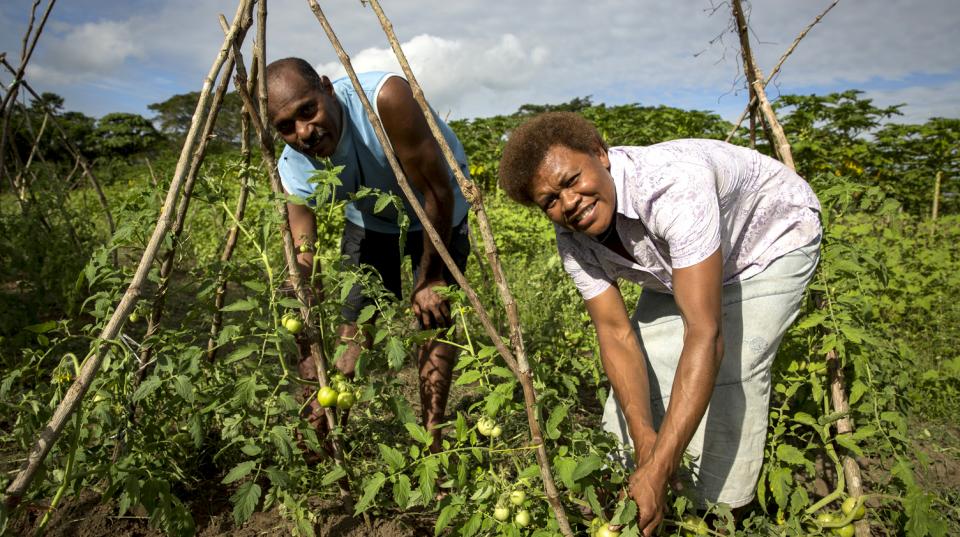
x,y
305,116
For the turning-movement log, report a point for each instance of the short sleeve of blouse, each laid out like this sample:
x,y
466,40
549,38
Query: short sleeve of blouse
x,y
583,266
683,209
295,171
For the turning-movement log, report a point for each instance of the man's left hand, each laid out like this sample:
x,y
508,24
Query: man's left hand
x,y
649,490
429,307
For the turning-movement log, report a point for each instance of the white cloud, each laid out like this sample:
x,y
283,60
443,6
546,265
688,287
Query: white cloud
x,y
87,52
454,71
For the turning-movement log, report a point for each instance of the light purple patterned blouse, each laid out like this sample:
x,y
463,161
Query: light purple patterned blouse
x,y
678,201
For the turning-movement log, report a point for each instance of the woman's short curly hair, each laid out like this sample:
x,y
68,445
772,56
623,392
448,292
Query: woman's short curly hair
x,y
529,143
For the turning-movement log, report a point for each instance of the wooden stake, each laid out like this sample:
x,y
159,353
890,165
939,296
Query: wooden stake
x,y
166,264
776,69
936,197
517,363
781,146
51,433
309,326
234,233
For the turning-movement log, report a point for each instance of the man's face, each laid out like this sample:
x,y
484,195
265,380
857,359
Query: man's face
x,y
575,189
307,118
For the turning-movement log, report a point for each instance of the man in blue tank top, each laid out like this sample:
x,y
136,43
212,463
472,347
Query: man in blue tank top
x,y
320,119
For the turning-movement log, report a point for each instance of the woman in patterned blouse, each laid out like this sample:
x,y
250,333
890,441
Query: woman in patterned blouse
x,y
724,241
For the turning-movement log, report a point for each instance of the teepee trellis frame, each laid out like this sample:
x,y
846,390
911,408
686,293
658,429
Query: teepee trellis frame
x,y
515,360
91,364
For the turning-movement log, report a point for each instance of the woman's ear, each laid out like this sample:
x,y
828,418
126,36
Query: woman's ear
x,y
601,153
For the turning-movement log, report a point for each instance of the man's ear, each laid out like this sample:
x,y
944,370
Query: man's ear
x,y
326,85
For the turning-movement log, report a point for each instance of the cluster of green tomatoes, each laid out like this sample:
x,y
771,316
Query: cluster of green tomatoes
x,y
851,508
517,497
338,394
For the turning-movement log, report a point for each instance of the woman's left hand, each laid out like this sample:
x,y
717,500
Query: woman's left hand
x,y
648,488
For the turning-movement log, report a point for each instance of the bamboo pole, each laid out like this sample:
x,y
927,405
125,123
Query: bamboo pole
x,y
755,77
851,470
517,363
309,326
167,262
166,267
51,433
234,233
84,163
776,69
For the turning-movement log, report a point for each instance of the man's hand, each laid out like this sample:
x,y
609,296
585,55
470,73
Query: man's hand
x,y
429,307
648,488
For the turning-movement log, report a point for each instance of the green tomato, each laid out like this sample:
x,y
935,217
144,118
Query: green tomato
x,y
605,531
517,497
304,248
825,518
496,431
522,518
845,531
293,325
327,397
345,400
850,506
501,513
134,317
695,526
341,385
485,425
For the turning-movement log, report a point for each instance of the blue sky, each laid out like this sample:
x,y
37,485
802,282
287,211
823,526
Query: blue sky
x,y
478,58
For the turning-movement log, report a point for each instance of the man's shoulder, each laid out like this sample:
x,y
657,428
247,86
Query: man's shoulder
x,y
370,81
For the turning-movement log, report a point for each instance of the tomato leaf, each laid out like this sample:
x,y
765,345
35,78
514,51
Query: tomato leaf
x,y
239,471
370,490
445,516
244,501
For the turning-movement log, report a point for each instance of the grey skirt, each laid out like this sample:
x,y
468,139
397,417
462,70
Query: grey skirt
x,y
724,458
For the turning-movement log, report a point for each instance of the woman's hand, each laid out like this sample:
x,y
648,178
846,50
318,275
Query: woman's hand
x,y
648,488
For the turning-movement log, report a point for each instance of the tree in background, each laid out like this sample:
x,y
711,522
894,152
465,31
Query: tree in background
x,y
173,116
121,134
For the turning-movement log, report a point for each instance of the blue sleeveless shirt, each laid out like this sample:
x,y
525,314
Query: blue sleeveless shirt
x,y
365,163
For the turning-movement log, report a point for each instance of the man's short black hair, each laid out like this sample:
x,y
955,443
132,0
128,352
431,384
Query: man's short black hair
x,y
297,65
529,143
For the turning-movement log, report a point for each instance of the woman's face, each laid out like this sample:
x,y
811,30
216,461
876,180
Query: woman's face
x,y
575,189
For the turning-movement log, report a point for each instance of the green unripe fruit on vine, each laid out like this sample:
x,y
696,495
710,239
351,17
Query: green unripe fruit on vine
x,y
825,518
517,497
134,317
695,526
850,506
496,431
304,248
485,426
345,400
292,324
605,531
327,397
845,531
522,518
501,513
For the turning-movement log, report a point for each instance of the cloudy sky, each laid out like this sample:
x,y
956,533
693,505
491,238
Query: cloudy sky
x,y
483,57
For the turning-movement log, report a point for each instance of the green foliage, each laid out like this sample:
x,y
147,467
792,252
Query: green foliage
x,y
885,300
175,114
122,134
